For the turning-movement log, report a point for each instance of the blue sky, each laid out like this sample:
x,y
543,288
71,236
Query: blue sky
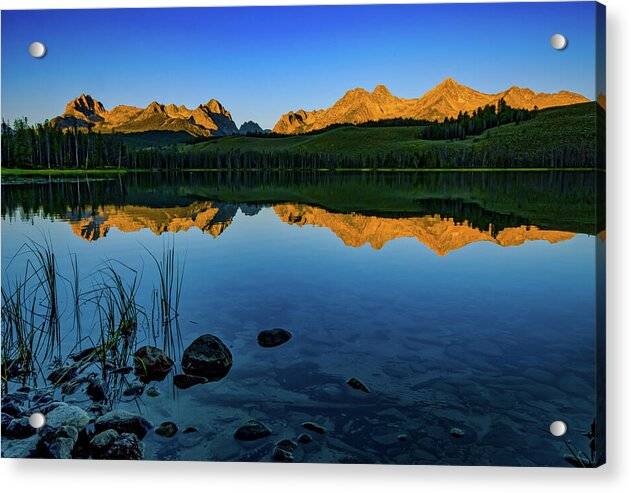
x,y
261,62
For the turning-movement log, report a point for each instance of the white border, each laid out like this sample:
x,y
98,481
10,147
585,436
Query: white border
x,y
48,476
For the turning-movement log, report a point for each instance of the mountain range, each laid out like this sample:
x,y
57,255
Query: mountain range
x,y
205,120
446,99
358,105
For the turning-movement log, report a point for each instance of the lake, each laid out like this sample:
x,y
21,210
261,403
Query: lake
x,y
464,302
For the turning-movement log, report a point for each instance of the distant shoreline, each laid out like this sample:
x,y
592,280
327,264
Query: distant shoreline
x,y
116,171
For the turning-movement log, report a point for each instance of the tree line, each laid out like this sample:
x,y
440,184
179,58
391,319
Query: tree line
x,y
49,146
482,119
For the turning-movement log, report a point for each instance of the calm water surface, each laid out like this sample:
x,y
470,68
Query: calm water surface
x,y
483,323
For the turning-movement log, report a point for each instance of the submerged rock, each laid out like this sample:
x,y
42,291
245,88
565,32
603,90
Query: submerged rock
x,y
183,381
273,337
134,390
167,429
207,357
357,384
151,363
282,455
62,374
152,391
190,429
96,390
122,370
304,438
85,355
456,432
117,446
252,430
284,450
310,425
123,422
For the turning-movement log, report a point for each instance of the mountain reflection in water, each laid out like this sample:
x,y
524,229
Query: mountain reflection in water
x,y
440,234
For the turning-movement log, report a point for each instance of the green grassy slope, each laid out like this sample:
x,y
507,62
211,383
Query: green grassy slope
x,y
568,131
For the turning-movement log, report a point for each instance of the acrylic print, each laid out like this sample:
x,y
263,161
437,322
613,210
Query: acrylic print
x,y
325,234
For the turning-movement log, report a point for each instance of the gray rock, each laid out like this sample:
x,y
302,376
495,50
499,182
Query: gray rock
x,y
57,443
6,419
67,415
167,429
207,357
357,384
151,363
20,449
183,381
123,422
273,337
19,428
252,430
311,426
117,446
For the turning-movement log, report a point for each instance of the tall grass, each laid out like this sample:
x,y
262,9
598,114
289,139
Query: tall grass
x,y
105,318
166,298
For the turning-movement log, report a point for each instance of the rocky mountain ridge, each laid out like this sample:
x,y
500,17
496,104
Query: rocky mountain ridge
x,y
208,119
446,99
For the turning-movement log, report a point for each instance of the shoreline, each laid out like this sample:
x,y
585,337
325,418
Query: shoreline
x,y
119,171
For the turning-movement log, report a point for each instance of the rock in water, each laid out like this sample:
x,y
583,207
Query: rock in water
x,y
207,357
152,392
67,415
273,337
96,390
62,374
304,438
18,428
167,429
190,429
57,443
282,455
184,381
456,432
151,363
284,450
357,384
112,445
310,425
123,422
6,419
252,430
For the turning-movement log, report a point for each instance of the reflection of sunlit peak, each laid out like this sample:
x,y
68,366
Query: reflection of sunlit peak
x,y
206,216
441,235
